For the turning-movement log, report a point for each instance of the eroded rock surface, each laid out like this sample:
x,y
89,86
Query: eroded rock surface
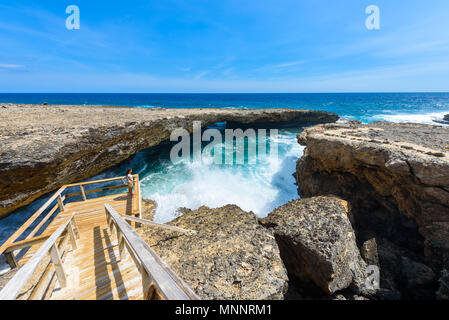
x,y
148,209
318,244
443,291
231,257
44,147
416,275
369,252
396,178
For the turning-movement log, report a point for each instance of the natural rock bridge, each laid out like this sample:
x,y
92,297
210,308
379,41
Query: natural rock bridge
x,y
45,147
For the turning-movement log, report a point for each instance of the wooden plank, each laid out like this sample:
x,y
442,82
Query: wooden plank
x,y
139,199
94,182
69,195
11,259
89,215
37,228
121,244
30,221
146,283
171,286
159,225
102,275
60,204
83,193
42,286
57,195
133,255
154,294
56,259
15,285
72,236
75,228
120,200
26,243
92,200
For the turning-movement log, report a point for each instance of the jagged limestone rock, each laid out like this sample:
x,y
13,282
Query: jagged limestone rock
x,y
230,257
396,177
317,243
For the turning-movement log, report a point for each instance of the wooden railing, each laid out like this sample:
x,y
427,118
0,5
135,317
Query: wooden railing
x,y
158,225
20,279
57,200
158,280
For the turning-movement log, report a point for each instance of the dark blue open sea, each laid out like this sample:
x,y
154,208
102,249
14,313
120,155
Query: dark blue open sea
x,y
205,183
366,107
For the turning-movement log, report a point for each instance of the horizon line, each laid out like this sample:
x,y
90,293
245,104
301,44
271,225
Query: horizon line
x,y
311,92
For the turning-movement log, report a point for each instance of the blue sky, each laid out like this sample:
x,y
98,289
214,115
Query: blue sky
x,y
224,46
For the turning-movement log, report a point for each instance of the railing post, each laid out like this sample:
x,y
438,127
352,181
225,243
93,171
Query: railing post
x,y
154,271
60,203
146,283
11,259
139,203
110,224
82,192
56,259
72,236
121,244
75,227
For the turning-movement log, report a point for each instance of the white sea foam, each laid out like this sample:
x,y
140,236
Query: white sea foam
x,y
425,118
258,188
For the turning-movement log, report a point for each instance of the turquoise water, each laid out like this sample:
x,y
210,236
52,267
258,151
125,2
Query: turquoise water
x,y
256,187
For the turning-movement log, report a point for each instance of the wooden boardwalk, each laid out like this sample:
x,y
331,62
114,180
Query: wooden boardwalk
x,y
93,265
86,212
95,270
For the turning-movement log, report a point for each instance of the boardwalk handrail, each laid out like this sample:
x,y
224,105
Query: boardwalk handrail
x,y
24,227
16,284
159,225
155,272
59,205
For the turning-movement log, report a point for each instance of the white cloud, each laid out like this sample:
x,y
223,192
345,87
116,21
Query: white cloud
x,y
280,66
399,78
11,66
202,74
287,64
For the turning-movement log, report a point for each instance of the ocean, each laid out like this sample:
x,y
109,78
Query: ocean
x,y
259,187
366,107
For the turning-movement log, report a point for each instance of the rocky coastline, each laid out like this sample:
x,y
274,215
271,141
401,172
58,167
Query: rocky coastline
x,y
372,195
45,147
229,257
396,179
